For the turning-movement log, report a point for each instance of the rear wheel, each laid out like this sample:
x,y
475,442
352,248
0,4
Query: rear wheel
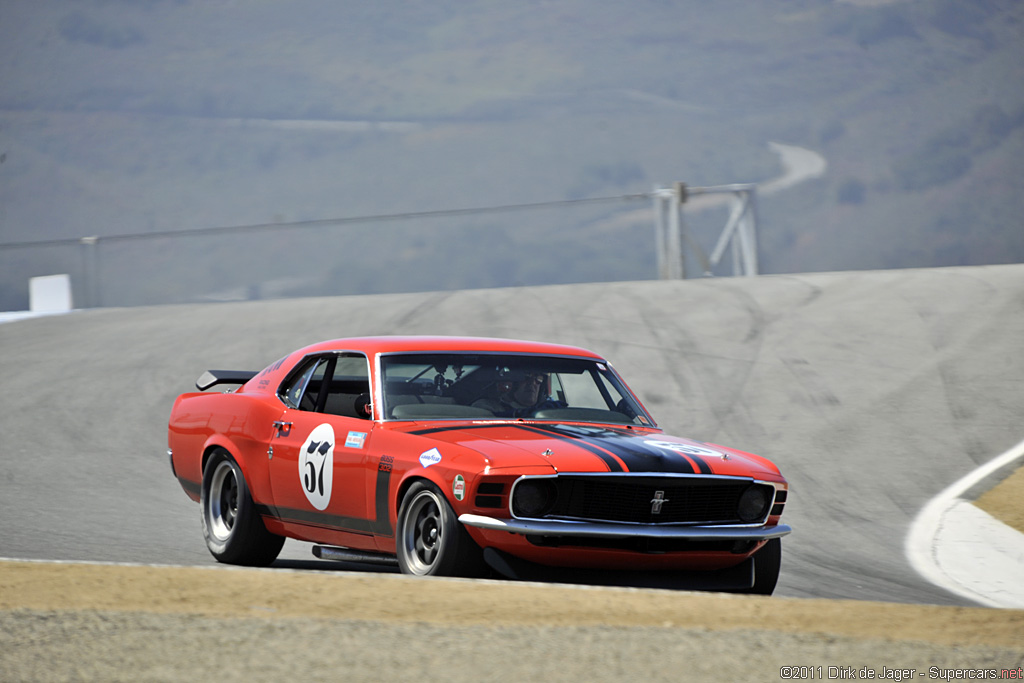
x,y
232,528
767,562
430,540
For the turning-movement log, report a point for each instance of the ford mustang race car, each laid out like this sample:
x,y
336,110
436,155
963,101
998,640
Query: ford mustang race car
x,y
469,456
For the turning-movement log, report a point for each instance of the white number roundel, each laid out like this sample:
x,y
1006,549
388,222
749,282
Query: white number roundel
x,y
316,466
688,449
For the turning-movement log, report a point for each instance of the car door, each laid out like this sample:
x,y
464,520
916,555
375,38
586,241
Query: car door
x,y
318,455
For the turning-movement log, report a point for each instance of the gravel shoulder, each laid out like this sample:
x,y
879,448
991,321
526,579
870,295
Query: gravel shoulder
x,y
1003,501
113,622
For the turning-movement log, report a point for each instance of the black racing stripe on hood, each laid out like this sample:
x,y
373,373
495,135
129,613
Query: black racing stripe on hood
x,y
603,453
637,456
611,445
702,464
610,462
455,428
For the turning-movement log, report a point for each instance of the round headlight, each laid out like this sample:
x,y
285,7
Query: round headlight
x,y
533,497
753,503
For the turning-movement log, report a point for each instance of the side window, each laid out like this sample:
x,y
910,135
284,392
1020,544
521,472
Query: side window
x,y
333,384
300,391
348,393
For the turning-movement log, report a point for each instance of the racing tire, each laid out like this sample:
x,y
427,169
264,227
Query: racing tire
x,y
233,530
430,540
767,562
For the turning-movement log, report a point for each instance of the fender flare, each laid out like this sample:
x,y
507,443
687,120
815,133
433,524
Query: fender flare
x,y
219,441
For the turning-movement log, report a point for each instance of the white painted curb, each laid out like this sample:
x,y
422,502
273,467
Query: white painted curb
x,y
959,547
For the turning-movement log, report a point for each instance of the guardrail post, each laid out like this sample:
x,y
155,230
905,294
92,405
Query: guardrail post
x,y
739,234
91,269
669,229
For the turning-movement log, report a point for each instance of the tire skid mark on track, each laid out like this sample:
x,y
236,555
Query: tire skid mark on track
x,y
860,470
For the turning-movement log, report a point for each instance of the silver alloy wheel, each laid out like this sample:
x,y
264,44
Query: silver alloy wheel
x,y
232,526
222,502
423,533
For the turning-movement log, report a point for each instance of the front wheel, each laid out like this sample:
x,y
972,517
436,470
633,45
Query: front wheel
x,y
232,528
430,539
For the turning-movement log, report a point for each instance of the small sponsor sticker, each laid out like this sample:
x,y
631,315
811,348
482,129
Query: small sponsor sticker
x,y
355,439
459,487
431,457
683,448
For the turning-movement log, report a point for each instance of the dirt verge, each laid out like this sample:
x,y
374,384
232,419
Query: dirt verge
x,y
1003,501
78,621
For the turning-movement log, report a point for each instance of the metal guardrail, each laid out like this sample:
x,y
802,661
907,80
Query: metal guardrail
x,y
675,244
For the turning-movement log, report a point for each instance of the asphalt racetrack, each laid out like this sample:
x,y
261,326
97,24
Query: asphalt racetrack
x,y
872,391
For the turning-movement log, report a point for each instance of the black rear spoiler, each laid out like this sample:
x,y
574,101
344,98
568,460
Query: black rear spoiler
x,y
212,378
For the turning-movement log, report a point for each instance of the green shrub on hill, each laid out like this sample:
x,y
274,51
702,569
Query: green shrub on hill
x,y
947,154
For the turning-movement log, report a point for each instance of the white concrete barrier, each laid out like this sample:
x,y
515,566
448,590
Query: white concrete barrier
x,y
50,294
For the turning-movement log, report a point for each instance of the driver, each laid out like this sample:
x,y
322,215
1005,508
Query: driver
x,y
518,395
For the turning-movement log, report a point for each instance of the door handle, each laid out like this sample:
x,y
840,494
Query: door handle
x,y
282,428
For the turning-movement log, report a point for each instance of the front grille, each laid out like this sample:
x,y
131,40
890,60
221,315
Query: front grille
x,y
633,499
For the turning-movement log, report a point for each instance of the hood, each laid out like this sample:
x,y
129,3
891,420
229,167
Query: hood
x,y
590,448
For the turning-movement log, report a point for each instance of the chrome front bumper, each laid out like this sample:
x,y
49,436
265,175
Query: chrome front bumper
x,y
606,530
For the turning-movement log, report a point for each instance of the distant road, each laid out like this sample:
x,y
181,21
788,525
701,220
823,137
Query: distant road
x,y
799,165
872,390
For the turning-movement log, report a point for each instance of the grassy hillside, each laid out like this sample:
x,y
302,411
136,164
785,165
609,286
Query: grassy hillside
x,y
124,117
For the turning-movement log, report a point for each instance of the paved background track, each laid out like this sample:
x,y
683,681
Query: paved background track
x,y
872,391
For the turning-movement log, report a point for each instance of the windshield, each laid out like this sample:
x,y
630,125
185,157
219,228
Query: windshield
x,y
496,386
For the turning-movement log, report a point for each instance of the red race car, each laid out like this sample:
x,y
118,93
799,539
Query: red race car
x,y
463,456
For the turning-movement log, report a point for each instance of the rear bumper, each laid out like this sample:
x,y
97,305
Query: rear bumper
x,y
605,530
